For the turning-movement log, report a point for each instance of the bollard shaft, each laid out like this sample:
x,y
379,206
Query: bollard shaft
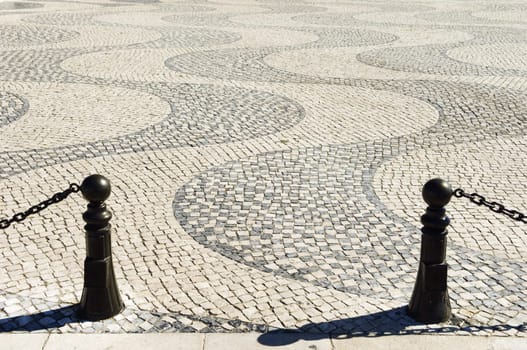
x,y
433,248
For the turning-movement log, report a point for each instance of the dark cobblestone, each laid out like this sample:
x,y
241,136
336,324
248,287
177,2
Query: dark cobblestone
x,y
16,36
15,5
12,107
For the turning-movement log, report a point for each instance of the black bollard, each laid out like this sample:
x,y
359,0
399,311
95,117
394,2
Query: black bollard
x,y
100,295
430,302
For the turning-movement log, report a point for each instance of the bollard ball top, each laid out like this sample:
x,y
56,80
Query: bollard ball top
x,y
437,193
96,188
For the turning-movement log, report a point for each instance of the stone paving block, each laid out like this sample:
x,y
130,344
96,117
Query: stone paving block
x,y
23,341
429,342
124,341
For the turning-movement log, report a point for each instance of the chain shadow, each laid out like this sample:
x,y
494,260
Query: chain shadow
x,y
385,323
43,320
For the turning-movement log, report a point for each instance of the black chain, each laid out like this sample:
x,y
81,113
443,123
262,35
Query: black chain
x,y
494,206
57,197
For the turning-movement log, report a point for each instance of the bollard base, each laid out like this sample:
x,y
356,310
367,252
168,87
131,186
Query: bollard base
x,y
100,295
430,302
431,311
99,304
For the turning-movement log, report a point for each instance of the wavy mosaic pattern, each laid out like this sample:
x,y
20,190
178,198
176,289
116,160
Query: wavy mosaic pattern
x,y
15,5
266,160
12,107
20,36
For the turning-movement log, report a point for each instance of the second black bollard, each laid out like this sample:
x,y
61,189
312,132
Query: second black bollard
x,y
430,302
100,295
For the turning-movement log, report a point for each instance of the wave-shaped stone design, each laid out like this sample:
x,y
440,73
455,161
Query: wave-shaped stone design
x,y
370,13
340,37
333,19
458,17
512,57
196,37
402,7
12,107
507,7
37,65
249,64
62,19
147,61
434,59
306,214
492,168
300,214
310,213
518,15
165,7
466,111
285,7
207,114
65,114
200,19
15,5
24,35
201,115
230,64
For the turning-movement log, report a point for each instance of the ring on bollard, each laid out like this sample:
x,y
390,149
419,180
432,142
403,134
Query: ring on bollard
x,y
430,302
100,295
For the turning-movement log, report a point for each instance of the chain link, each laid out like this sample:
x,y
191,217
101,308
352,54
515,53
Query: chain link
x,y
494,206
57,197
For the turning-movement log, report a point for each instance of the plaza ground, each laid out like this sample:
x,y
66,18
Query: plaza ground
x,y
266,161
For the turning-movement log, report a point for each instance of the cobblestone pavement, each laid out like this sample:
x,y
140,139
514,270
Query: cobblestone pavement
x,y
266,160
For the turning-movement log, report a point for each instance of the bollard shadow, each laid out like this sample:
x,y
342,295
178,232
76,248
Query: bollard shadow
x,y
387,322
391,322
40,321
